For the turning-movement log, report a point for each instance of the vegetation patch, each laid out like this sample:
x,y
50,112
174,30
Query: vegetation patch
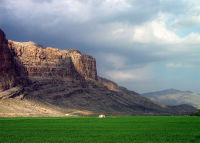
x,y
133,129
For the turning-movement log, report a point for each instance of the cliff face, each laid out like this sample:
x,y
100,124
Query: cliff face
x,y
64,80
109,84
33,60
84,64
7,72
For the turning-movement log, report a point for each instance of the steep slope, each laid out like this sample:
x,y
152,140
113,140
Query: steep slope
x,y
175,97
7,73
33,60
64,82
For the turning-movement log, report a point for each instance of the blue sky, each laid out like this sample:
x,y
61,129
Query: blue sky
x,y
140,44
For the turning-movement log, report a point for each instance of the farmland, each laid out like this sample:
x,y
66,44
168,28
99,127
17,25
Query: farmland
x,y
132,129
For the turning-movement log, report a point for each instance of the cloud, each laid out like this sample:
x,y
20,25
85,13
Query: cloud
x,y
189,19
179,65
126,37
48,11
114,61
187,23
154,32
173,65
42,1
136,74
192,38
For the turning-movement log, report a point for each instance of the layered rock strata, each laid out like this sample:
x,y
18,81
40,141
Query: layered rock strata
x,y
33,60
7,71
65,79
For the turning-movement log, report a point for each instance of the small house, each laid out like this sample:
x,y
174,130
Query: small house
x,y
102,116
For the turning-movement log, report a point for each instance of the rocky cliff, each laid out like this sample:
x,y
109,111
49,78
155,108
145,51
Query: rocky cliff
x,y
64,81
7,72
109,84
33,60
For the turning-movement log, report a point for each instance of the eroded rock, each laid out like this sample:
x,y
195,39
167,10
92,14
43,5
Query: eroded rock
x,y
33,60
7,72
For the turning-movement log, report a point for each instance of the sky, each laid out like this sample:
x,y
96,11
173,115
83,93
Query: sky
x,y
143,45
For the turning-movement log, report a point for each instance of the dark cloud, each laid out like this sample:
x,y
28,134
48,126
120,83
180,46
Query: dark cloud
x,y
91,27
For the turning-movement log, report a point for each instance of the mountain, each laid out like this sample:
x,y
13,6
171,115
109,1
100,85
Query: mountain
x,y
175,97
44,81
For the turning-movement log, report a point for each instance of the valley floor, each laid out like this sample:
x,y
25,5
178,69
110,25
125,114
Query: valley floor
x,y
130,129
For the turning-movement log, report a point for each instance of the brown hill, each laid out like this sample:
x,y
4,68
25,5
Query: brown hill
x,y
44,81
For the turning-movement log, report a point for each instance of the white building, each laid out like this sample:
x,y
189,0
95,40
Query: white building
x,y
102,116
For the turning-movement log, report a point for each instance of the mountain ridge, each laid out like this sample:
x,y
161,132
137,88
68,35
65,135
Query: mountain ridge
x,y
174,97
62,81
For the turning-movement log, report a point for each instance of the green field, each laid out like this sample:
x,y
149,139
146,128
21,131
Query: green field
x,y
135,129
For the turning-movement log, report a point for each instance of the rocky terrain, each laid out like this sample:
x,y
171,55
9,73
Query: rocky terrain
x,y
7,71
44,81
175,97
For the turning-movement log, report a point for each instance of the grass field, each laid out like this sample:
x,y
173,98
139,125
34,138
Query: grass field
x,y
138,129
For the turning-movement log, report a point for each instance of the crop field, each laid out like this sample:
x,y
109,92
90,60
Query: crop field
x,y
132,129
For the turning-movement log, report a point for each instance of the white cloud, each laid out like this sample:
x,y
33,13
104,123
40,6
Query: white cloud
x,y
113,5
186,23
61,10
192,38
154,32
135,74
189,19
134,32
180,65
115,61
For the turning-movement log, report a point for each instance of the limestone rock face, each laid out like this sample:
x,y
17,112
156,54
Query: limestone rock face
x,y
84,64
109,84
64,80
33,60
12,92
7,73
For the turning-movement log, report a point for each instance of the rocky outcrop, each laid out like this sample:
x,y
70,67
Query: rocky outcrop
x,y
7,72
33,60
109,84
84,64
66,79
12,92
